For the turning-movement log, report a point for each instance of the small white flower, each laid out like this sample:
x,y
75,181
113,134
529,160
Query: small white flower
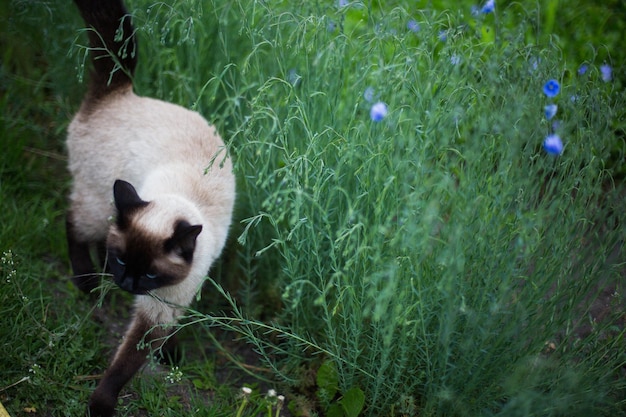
x,y
246,391
174,376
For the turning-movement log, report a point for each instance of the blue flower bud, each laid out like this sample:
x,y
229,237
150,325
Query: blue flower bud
x,y
553,144
378,111
550,110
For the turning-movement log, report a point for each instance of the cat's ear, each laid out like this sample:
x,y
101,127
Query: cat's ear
x,y
183,240
126,201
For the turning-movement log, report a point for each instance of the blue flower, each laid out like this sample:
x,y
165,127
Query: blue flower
x,y
553,144
488,7
413,26
551,88
550,110
583,69
455,59
607,72
378,111
293,77
368,94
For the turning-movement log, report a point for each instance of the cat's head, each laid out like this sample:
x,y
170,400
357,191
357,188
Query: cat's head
x,y
149,246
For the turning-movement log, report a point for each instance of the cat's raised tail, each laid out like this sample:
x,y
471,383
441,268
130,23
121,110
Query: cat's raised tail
x,y
112,44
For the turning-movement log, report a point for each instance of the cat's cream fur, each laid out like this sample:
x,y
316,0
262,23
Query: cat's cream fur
x,y
173,158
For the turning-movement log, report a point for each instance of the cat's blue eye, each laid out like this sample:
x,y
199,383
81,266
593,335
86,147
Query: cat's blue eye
x,y
119,261
151,276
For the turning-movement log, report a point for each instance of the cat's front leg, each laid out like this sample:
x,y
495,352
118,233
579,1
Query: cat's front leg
x,y
101,405
139,341
85,277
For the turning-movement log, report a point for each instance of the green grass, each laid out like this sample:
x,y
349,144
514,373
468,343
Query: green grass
x,y
436,263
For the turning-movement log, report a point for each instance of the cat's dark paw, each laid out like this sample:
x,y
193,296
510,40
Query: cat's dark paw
x,y
101,405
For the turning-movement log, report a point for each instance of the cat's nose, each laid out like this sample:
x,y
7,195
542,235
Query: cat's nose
x,y
127,283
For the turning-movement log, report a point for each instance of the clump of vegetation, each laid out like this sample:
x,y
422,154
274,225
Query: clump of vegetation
x,y
437,233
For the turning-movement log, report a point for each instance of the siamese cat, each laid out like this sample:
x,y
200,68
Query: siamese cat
x,y
153,182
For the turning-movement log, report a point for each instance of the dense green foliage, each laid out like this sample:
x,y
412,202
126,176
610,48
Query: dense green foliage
x,y
437,262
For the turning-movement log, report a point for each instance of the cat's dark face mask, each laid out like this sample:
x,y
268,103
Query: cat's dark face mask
x,y
132,276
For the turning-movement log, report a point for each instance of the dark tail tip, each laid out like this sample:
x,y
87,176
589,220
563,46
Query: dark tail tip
x,y
112,42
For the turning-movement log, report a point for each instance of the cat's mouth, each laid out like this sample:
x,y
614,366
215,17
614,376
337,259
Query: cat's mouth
x,y
134,285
